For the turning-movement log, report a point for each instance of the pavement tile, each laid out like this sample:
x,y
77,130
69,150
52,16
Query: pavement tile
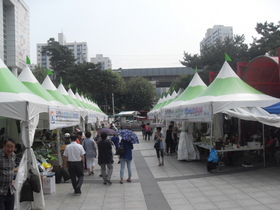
x,y
178,185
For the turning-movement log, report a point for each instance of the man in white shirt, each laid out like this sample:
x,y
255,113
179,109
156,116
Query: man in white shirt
x,y
74,160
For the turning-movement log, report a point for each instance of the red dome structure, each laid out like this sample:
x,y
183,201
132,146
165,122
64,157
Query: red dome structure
x,y
262,73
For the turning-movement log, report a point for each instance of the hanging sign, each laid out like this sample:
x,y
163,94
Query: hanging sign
x,y
61,117
193,113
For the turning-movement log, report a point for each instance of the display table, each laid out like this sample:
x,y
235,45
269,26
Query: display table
x,y
231,149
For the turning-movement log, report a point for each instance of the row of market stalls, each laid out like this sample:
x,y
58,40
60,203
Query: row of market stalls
x,y
24,99
227,94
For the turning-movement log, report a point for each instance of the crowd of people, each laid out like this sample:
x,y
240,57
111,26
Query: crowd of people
x,y
81,153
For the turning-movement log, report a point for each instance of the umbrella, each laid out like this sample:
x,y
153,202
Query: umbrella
x,y
155,125
108,131
128,135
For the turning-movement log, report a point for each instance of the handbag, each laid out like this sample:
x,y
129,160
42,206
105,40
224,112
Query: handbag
x,y
156,146
120,151
113,148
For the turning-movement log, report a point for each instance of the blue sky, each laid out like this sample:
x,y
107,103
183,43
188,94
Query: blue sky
x,y
143,33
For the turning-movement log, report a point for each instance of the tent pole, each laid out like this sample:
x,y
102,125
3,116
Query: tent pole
x,y
58,147
239,129
263,145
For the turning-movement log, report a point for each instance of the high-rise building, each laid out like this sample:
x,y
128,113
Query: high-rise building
x,y
105,62
79,49
216,33
14,33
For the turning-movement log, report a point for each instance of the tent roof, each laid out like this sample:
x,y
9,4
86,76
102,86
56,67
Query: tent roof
x,y
15,96
229,91
196,87
30,81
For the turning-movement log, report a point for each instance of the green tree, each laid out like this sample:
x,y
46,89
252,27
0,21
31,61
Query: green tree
x,y
269,41
61,57
39,73
97,84
140,94
181,82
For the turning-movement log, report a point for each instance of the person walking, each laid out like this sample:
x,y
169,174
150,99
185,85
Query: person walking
x,y
147,131
175,136
7,165
143,130
169,140
105,158
75,162
160,153
126,157
90,149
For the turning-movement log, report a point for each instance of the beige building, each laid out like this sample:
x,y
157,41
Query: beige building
x,y
105,62
79,49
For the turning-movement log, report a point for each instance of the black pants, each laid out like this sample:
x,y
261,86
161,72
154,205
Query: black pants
x,y
7,201
76,171
169,148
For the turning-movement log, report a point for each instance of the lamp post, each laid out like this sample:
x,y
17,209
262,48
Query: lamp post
x,y
113,104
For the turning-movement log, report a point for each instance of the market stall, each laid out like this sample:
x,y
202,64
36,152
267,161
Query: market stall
x,y
227,94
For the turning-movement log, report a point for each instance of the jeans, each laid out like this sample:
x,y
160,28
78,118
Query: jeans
x,y
128,164
7,201
103,171
143,133
147,134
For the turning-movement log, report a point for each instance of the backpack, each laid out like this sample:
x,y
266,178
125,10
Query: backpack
x,y
147,128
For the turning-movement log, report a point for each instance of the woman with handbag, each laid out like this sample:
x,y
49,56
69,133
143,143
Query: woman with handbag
x,y
159,146
126,157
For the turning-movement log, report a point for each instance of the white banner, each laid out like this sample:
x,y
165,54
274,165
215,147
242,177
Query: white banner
x,y
60,118
193,113
92,117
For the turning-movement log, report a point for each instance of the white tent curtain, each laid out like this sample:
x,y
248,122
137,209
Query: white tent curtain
x,y
218,126
182,146
254,114
28,161
186,149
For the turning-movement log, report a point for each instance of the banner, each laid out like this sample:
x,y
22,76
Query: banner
x,y
92,118
60,118
193,113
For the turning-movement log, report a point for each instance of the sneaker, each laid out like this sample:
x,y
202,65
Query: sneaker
x,y
159,164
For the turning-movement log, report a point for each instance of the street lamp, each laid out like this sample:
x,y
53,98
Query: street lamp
x,y
113,104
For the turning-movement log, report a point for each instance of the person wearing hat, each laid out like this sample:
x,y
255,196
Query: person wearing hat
x,y
75,162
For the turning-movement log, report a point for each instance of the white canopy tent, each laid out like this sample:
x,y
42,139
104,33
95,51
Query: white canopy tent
x,y
18,102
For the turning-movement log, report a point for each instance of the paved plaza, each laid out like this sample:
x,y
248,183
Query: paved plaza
x,y
178,185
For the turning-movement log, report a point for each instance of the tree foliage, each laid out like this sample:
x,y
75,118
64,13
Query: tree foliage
x,y
269,41
139,95
39,73
96,84
181,82
61,57
212,57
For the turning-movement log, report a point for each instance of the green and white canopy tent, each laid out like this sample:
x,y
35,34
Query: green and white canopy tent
x,y
18,102
196,87
56,115
226,92
186,149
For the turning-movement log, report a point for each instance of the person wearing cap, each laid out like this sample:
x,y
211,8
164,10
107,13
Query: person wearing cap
x,y
75,162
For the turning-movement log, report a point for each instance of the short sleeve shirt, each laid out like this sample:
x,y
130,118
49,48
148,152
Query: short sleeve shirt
x,y
74,151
